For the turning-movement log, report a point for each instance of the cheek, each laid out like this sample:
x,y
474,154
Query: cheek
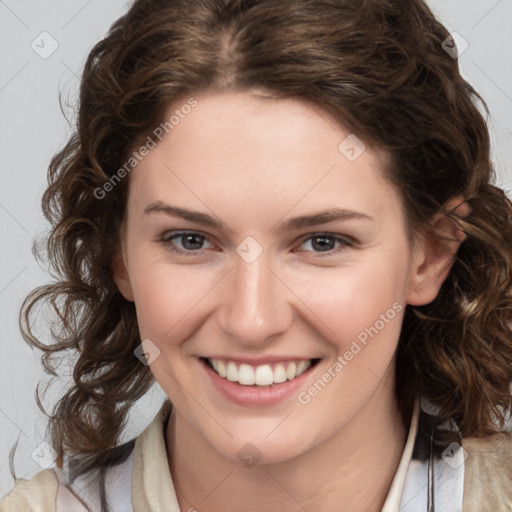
x,y
349,302
360,319
167,296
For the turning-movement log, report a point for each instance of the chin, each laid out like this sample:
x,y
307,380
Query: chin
x,y
250,446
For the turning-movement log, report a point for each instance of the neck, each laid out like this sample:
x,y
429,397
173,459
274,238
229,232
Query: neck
x,y
354,468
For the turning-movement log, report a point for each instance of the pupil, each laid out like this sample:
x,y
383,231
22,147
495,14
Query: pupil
x,y
323,247
186,239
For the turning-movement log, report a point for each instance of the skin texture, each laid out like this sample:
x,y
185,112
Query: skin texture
x,y
253,162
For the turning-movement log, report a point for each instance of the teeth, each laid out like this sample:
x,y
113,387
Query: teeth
x,y
291,371
279,374
221,369
263,375
302,366
232,372
246,375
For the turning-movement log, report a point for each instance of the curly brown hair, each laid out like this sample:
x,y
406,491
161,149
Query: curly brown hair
x,y
376,65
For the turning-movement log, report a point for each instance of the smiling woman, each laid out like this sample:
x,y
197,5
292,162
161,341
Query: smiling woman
x,y
313,264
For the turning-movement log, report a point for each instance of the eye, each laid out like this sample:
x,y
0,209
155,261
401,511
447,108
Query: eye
x,y
325,242
190,241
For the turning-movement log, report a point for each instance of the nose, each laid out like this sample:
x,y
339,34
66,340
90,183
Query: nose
x,y
255,303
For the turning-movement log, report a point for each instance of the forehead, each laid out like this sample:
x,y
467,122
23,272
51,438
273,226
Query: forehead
x,y
242,149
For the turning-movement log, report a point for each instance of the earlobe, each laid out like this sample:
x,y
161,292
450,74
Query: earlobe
x,y
121,277
436,254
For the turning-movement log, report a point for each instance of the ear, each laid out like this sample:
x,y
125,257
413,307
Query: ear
x,y
120,273
434,256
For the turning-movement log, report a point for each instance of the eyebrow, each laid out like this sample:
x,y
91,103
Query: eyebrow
x,y
323,217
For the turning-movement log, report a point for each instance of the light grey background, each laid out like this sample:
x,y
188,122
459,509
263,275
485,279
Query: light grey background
x,y
33,128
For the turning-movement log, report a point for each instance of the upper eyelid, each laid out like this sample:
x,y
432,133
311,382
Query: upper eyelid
x,y
178,233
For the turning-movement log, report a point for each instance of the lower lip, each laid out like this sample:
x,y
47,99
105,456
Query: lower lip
x,y
253,395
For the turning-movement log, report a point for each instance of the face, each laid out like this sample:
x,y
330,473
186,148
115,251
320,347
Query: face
x,y
240,286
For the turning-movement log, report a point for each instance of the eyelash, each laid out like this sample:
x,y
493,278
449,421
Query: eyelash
x,y
166,241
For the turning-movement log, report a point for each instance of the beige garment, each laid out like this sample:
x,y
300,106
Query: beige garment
x,y
37,494
152,487
487,477
488,474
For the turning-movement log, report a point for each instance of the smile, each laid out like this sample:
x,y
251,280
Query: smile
x,y
257,385
261,375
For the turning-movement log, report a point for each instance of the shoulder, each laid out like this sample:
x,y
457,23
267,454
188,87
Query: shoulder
x,y
488,473
50,489
35,495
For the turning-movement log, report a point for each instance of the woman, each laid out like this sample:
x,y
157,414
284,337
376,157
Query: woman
x,y
283,213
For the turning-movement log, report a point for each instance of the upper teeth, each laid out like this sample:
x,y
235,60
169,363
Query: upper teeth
x,y
263,375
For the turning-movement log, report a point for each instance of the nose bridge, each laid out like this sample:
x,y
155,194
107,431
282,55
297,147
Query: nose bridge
x,y
255,307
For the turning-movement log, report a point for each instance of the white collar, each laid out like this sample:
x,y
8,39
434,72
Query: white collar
x,y
392,503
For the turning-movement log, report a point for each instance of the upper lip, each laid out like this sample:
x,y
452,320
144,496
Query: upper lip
x,y
257,361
